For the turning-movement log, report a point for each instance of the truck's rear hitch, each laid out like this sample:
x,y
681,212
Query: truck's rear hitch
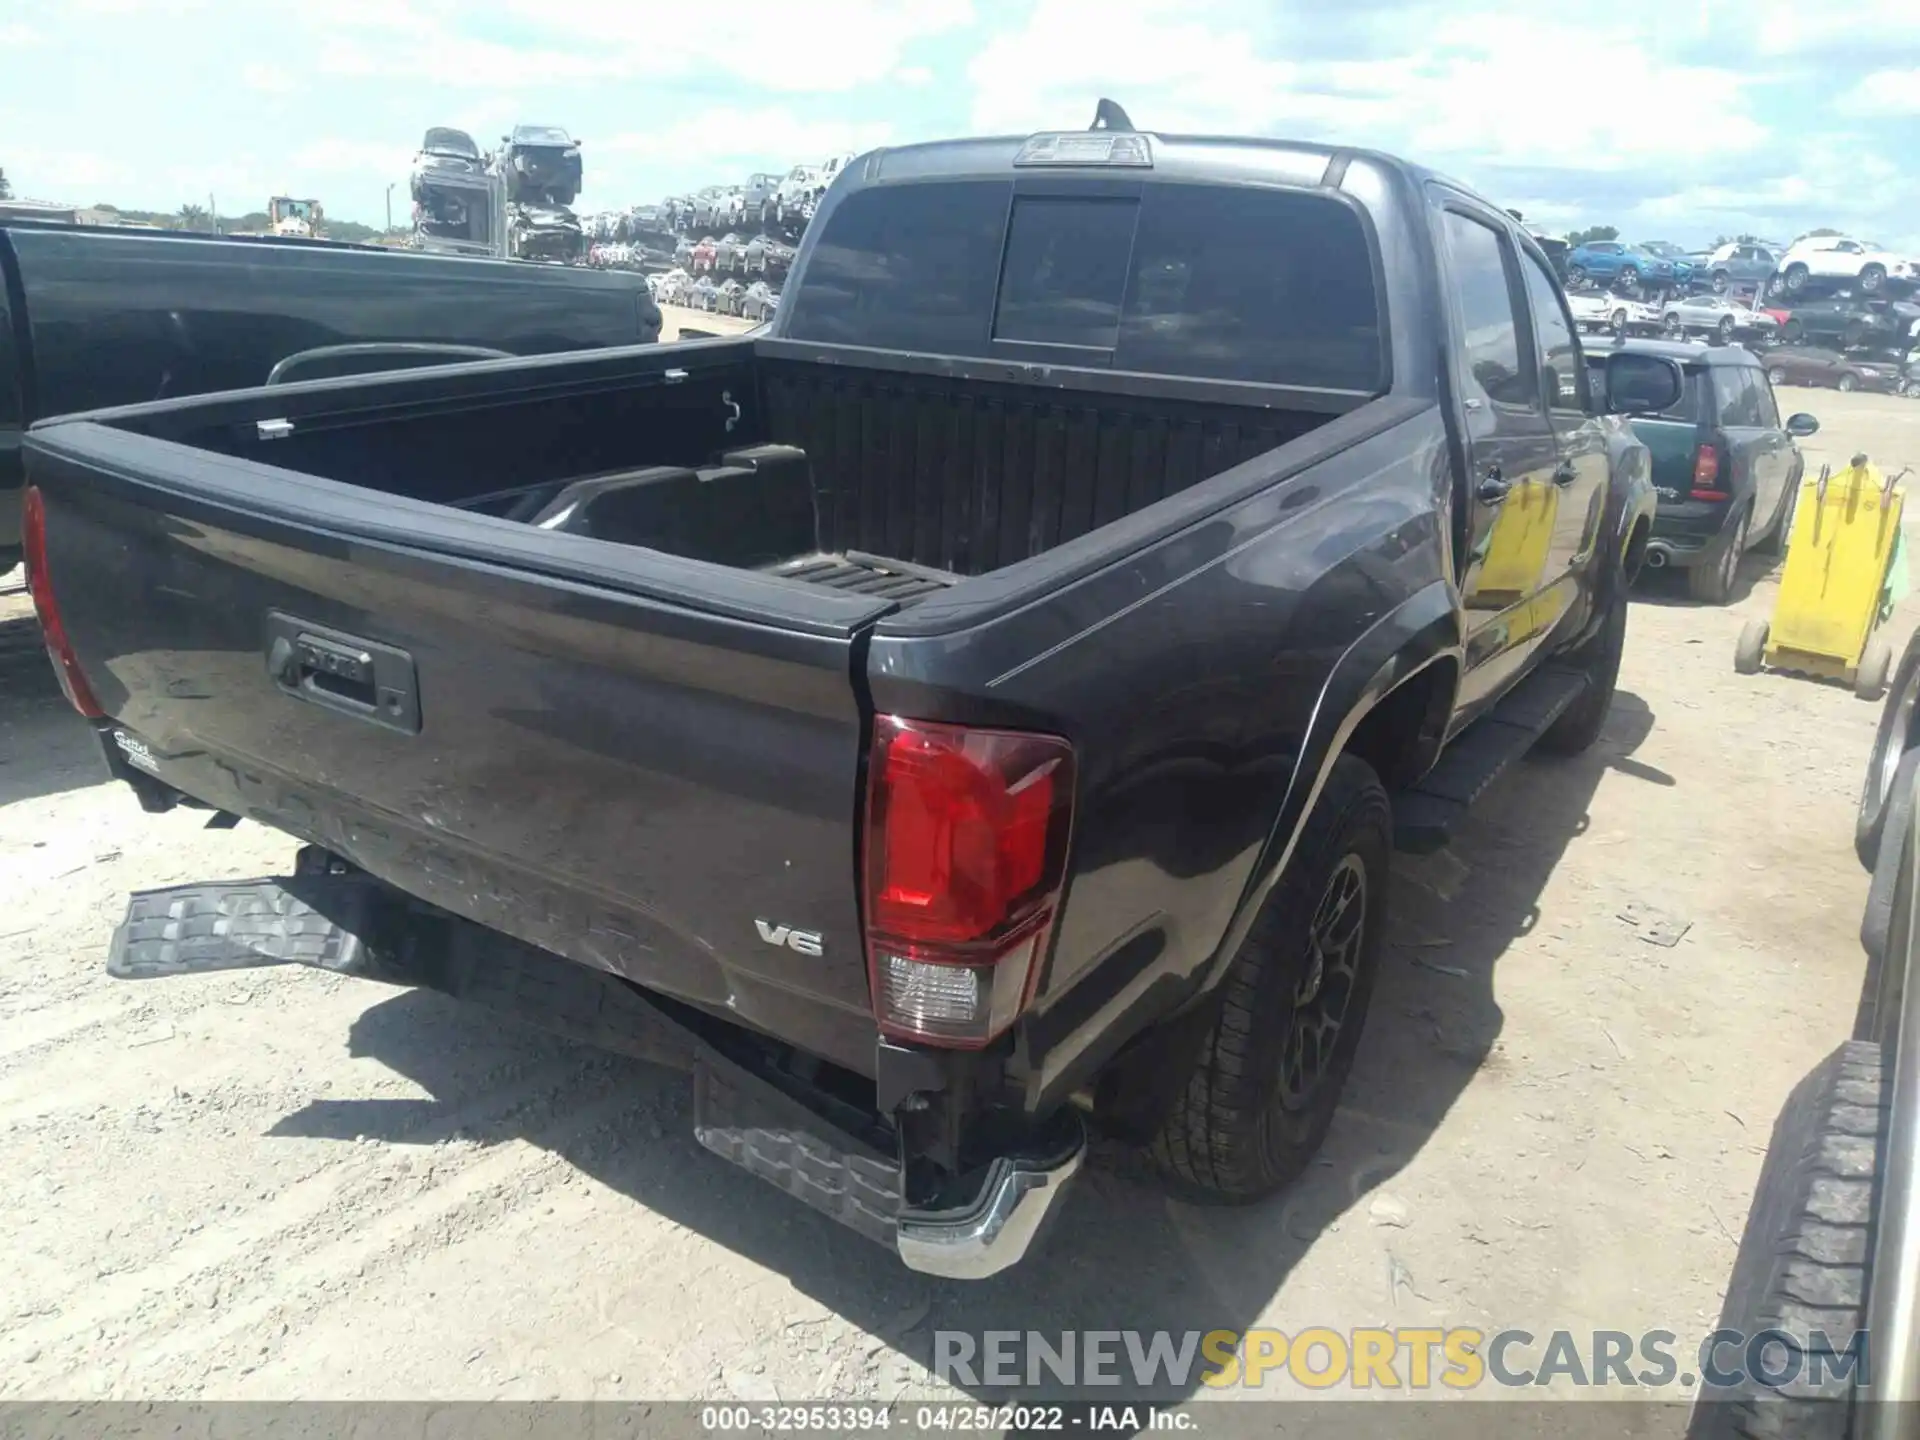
x,y
812,1144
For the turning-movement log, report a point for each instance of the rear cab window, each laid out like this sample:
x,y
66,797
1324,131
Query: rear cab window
x,y
1240,283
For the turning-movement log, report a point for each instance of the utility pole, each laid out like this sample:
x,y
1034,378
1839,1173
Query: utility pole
x,y
390,185
213,214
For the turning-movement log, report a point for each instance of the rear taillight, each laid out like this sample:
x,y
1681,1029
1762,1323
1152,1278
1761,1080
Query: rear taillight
x,y
33,538
966,847
1706,474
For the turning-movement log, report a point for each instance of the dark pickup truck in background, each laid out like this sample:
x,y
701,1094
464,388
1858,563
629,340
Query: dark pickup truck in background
x,y
96,316
985,699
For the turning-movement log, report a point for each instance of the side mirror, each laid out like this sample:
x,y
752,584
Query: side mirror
x,y
1639,384
1802,425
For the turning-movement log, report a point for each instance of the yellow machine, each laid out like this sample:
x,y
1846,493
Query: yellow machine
x,y
1838,582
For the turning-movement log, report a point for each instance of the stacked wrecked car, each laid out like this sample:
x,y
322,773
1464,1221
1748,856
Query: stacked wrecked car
x,y
515,203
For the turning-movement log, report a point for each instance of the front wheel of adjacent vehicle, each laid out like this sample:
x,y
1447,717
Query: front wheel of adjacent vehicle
x,y
1872,277
1712,583
1262,1093
1576,275
1671,324
1721,279
1598,658
1750,653
1795,278
1804,1255
1891,743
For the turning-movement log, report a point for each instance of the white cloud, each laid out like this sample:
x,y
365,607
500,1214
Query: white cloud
x,y
1489,86
735,141
1884,92
828,45
267,79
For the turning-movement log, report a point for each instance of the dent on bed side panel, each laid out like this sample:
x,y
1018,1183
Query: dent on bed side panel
x,y
1189,680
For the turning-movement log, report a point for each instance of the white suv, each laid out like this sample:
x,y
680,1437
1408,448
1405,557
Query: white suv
x,y
1835,257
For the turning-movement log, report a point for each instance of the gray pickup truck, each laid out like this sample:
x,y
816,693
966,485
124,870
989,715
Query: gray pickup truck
x,y
979,705
98,316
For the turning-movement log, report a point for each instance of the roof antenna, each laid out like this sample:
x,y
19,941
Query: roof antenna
x,y
1109,116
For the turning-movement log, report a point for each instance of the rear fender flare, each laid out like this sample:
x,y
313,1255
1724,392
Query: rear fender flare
x,y
1422,631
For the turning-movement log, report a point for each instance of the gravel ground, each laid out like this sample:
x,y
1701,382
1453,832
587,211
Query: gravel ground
x,y
280,1184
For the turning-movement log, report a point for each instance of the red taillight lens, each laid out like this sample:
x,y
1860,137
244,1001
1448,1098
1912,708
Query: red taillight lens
x,y
1706,474
33,539
965,851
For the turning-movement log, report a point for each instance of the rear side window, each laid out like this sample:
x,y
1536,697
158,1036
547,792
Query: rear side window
x,y
1230,283
1489,324
1743,397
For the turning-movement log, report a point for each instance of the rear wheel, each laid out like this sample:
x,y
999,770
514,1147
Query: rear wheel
x,y
1671,324
1577,274
1260,1097
1751,651
1630,278
1796,278
1872,277
1721,279
1848,383
1726,328
1712,584
1776,376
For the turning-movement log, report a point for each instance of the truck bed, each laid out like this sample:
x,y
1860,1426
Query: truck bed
x,y
872,482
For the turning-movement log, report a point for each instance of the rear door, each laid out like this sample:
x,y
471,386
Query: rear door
x,y
1512,452
647,765
1754,442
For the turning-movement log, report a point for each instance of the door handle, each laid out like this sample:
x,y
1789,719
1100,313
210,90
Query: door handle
x,y
1493,487
1563,473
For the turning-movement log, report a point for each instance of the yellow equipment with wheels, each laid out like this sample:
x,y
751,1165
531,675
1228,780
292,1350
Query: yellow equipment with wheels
x,y
1838,582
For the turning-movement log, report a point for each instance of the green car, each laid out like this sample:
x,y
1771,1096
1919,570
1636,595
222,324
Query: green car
x,y
1725,469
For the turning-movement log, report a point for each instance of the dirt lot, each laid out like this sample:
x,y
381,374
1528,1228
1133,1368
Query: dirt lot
x,y
280,1184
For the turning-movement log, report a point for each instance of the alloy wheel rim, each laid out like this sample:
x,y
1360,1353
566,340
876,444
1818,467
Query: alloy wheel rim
x,y
1321,1000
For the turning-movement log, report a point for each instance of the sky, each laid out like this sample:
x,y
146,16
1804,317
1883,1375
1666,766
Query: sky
x,y
1676,121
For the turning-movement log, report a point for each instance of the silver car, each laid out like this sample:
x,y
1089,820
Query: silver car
x,y
1718,316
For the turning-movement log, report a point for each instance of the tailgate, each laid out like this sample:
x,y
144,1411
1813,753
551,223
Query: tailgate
x,y
647,765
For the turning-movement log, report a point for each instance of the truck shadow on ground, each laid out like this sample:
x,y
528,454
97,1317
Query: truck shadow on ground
x,y
1122,1257
45,748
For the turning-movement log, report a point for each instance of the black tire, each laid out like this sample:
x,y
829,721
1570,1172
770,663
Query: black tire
x,y
1618,325
1891,742
1793,332
1670,323
1802,1264
1629,277
1233,1135
1776,376
1713,584
1581,722
1847,382
1721,279
1795,278
1872,277
1726,328
1576,275
1750,651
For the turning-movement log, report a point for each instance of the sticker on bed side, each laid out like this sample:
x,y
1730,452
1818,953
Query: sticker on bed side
x,y
135,750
